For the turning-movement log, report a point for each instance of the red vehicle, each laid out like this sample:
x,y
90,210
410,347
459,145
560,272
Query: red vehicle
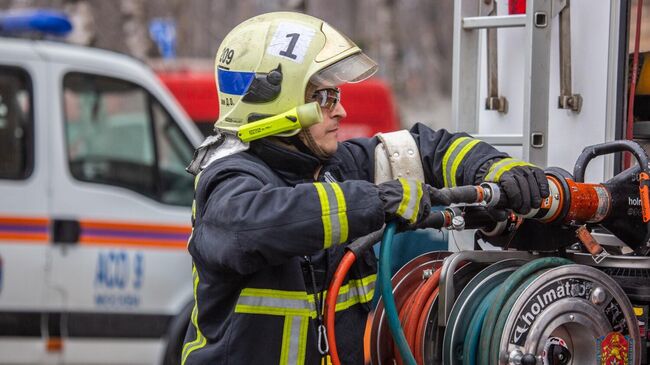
x,y
369,104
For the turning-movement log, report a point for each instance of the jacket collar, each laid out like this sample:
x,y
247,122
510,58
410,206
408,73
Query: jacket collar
x,y
293,166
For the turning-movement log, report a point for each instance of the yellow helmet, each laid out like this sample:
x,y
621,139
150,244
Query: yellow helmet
x,y
264,64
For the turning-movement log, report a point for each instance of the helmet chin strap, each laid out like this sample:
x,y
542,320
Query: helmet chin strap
x,y
305,142
306,137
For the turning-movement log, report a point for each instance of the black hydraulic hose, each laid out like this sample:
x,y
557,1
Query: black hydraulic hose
x,y
606,148
477,217
458,194
364,242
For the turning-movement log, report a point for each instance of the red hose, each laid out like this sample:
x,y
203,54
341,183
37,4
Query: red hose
x,y
422,324
421,298
635,66
415,306
405,313
330,302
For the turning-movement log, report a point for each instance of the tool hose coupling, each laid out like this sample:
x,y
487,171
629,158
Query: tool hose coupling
x,y
492,193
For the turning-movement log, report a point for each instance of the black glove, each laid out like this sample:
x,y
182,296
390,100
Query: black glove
x,y
406,200
524,184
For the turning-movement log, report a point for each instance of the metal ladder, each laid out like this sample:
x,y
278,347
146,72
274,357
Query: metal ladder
x,y
470,16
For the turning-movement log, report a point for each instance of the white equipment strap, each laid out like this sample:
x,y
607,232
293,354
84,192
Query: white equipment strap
x,y
397,156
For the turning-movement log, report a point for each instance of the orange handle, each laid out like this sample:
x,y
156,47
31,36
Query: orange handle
x,y
644,194
588,240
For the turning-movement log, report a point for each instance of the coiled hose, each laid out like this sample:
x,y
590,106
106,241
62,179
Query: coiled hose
x,y
386,290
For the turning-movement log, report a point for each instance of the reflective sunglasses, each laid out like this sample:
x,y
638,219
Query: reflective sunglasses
x,y
327,98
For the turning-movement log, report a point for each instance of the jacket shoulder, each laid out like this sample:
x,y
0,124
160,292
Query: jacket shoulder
x,y
242,162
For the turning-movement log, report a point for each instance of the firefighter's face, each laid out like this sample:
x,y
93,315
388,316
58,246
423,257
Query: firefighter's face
x,y
325,133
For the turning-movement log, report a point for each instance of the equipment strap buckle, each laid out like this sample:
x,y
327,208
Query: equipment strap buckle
x,y
600,257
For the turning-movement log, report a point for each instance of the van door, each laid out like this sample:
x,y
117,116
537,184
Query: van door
x,y
121,202
24,222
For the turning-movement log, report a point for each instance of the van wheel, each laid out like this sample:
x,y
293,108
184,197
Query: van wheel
x,y
176,336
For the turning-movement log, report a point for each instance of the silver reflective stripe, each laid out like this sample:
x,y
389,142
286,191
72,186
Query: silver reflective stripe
x,y
408,208
280,303
294,339
496,167
413,201
451,161
334,209
357,294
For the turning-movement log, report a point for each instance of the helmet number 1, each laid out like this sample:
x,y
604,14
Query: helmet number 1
x,y
292,44
226,56
291,41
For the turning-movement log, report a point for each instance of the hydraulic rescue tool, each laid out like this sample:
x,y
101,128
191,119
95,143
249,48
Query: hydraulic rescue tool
x,y
553,295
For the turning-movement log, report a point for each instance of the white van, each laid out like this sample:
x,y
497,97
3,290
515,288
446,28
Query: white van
x,y
94,208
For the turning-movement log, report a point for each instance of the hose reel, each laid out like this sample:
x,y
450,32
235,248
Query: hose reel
x,y
544,311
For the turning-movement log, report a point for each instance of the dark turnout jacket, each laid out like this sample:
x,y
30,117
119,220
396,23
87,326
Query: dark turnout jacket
x,y
259,216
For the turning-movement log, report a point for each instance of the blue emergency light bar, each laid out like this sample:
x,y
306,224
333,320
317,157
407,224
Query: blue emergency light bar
x,y
34,20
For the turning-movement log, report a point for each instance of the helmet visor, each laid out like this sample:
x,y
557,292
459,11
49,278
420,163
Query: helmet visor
x,y
355,68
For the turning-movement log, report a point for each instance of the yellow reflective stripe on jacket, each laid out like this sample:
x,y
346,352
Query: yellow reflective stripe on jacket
x,y
297,307
200,340
275,302
409,207
284,302
342,215
334,213
498,168
294,340
356,291
459,158
454,157
196,183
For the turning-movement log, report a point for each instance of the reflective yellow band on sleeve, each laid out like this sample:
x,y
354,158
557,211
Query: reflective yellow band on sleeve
x,y
459,159
500,167
410,204
325,209
446,166
334,213
342,212
453,158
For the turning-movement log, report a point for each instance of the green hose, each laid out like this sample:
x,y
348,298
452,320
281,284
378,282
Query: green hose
x,y
470,345
512,283
505,312
386,290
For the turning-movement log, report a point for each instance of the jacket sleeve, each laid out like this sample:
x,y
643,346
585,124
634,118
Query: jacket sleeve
x,y
243,224
448,159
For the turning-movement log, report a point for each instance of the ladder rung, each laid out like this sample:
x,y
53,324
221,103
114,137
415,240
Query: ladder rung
x,y
497,21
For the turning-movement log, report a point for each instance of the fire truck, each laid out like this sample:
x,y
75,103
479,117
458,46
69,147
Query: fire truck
x,y
559,84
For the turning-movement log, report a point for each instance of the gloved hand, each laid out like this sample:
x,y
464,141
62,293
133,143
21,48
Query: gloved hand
x,y
406,200
524,184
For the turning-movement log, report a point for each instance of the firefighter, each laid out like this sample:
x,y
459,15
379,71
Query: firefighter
x,y
272,216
